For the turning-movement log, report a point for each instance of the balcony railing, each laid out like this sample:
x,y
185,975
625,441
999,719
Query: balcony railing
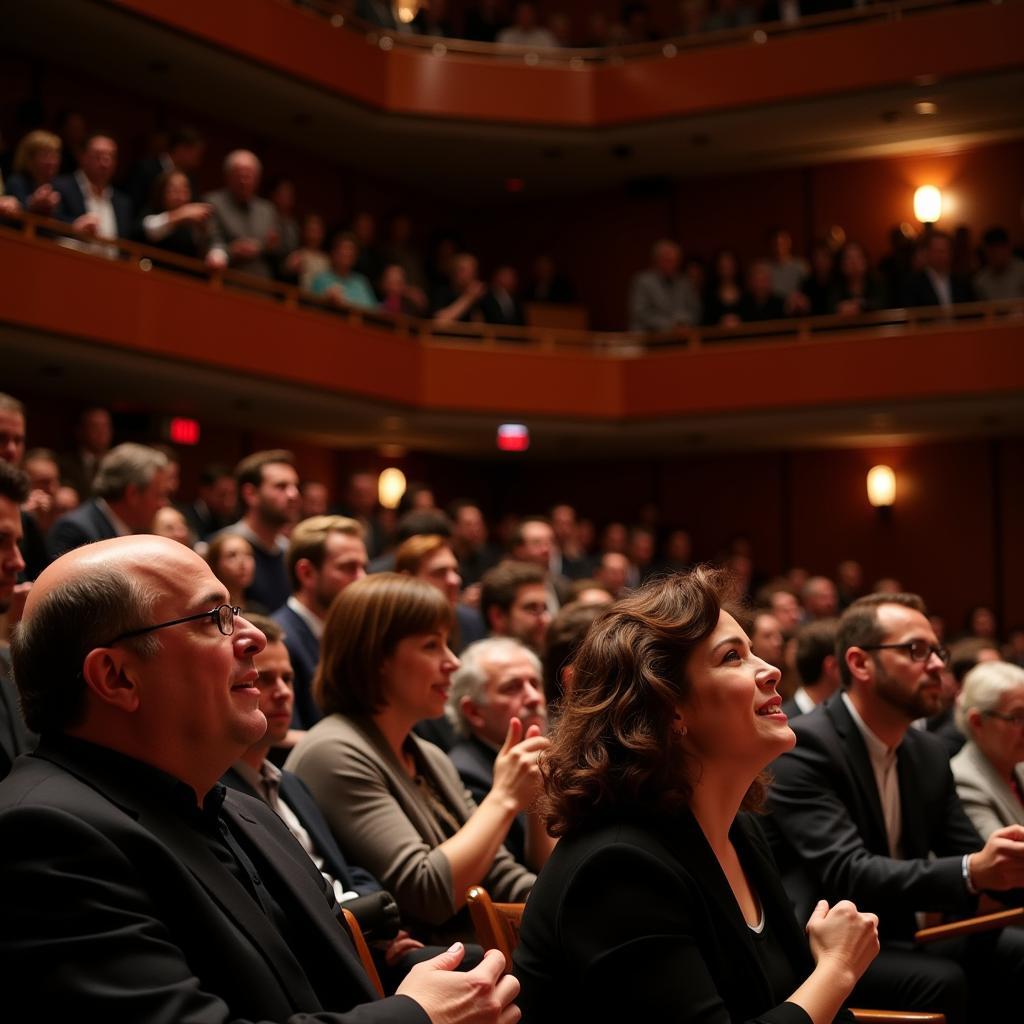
x,y
146,259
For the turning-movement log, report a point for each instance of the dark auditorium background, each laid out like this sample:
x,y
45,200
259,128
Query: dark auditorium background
x,y
708,142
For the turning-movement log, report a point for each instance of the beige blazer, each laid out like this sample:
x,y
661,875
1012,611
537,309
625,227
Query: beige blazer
x,y
383,822
987,799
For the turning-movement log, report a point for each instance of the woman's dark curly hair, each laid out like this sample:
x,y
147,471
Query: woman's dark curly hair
x,y
613,746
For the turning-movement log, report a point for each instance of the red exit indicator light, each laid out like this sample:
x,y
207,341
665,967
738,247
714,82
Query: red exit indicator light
x,y
513,437
182,430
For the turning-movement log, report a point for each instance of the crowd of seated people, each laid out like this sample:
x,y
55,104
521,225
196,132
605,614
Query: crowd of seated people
x,y
236,227
594,687
538,25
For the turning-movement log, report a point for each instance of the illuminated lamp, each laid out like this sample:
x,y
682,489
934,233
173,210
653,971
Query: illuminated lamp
x,y
927,204
390,487
513,437
407,10
881,486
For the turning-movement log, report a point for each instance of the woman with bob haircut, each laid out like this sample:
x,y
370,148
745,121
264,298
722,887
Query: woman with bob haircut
x,y
989,770
661,901
395,803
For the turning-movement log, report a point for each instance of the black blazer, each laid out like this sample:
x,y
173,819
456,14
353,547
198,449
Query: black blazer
x,y
80,526
829,834
147,924
304,652
474,762
298,797
919,291
15,737
634,920
72,204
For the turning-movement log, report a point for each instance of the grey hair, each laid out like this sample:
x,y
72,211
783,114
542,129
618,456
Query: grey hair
x,y
233,156
49,648
470,678
127,464
984,687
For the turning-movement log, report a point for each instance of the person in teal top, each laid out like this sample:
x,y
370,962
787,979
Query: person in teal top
x,y
341,284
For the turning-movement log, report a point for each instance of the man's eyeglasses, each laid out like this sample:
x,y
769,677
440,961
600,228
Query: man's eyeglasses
x,y
919,650
1017,719
223,615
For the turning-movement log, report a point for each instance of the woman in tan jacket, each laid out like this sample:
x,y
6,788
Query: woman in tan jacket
x,y
395,802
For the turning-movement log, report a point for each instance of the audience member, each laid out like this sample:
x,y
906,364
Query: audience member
x,y
308,260
399,249
170,523
820,598
1002,276
73,131
816,666
325,555
661,298
981,624
819,285
88,200
268,487
661,897
36,163
216,503
548,283
514,602
396,294
533,541
569,559
989,771
469,541
342,284
243,229
935,284
500,305
44,484
93,434
565,634
459,300
370,261
38,512
849,582
963,656
865,808
722,303
588,592
15,737
525,29
612,573
176,223
760,301
316,500
362,503
130,486
395,803
231,559
766,639
166,896
282,196
498,679
856,290
183,152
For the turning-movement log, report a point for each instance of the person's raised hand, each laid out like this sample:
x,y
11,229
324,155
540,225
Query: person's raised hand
x,y
480,996
516,772
843,936
999,864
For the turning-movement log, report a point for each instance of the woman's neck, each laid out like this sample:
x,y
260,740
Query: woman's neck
x,y
716,801
395,729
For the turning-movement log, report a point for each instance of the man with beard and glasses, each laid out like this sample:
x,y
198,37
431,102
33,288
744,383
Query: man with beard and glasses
x,y
325,555
268,487
499,679
864,808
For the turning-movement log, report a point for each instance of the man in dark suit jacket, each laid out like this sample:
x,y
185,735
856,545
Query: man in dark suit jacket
x,y
88,200
131,486
498,679
161,895
865,808
325,554
500,305
935,284
816,665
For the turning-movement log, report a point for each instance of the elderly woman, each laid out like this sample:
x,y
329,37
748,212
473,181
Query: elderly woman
x,y
36,163
989,771
661,901
395,802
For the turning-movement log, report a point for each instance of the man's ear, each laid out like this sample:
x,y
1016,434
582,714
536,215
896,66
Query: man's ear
x,y
470,711
497,620
110,675
304,571
860,664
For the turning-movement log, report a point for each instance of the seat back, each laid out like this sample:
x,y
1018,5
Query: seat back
x,y
496,924
897,1017
362,949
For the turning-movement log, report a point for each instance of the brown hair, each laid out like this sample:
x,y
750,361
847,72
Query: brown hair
x,y
859,625
412,553
35,142
309,541
613,746
363,627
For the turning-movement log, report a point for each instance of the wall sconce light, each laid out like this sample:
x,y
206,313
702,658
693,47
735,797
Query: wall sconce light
x,y
390,487
928,204
881,487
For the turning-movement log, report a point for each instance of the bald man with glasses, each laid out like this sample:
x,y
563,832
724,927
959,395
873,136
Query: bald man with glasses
x,y
135,888
864,808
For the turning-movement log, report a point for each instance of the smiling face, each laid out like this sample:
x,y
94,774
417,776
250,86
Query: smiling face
x,y
733,714
276,686
513,690
416,678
